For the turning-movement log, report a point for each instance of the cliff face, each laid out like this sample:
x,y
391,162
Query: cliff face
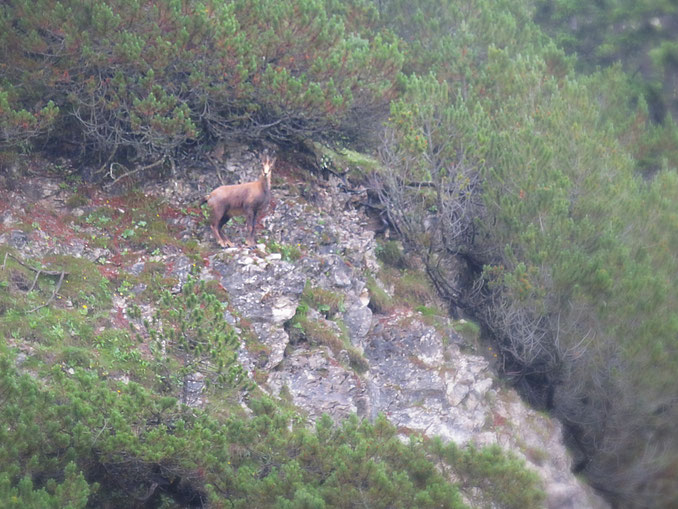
x,y
304,300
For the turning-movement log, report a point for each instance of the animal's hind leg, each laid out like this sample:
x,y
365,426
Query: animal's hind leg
x,y
222,223
217,235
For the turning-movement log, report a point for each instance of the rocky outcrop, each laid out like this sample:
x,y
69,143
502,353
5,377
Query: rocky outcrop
x,y
421,374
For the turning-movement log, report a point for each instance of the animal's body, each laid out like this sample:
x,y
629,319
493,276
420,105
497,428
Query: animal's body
x,y
248,200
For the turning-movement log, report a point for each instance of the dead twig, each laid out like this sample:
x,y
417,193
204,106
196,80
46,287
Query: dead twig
x,y
56,290
61,273
214,164
132,172
37,275
110,158
24,264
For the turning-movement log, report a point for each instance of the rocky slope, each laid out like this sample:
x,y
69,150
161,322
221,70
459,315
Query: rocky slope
x,y
303,300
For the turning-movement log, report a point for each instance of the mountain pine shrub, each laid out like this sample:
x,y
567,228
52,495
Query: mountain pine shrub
x,y
526,174
137,81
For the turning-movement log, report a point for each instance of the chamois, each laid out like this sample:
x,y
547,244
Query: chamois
x,y
248,199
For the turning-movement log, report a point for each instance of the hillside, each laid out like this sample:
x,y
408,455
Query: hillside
x,y
320,325
526,177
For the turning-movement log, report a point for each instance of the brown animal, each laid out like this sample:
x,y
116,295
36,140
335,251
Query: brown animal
x,y
249,200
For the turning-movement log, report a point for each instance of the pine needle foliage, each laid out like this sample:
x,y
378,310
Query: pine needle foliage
x,y
138,80
506,162
76,440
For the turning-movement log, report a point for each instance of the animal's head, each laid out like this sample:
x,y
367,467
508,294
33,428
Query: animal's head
x,y
267,163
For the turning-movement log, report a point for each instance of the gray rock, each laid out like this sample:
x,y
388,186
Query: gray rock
x,y
7,218
137,268
261,291
179,267
276,339
18,239
138,288
318,384
98,253
230,319
358,320
342,275
194,388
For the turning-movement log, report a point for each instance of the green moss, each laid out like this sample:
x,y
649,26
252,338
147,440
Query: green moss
x,y
289,253
43,316
467,328
430,311
76,356
155,281
413,288
357,360
192,249
356,164
319,332
391,253
380,301
84,285
326,302
76,200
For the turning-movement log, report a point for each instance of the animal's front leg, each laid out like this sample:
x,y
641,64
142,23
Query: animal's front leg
x,y
251,223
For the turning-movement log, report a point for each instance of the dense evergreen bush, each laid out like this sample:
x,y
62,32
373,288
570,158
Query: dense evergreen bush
x,y
527,174
77,440
640,35
138,80
641,38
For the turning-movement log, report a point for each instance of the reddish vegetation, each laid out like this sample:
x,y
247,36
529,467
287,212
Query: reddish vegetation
x,y
109,272
62,231
169,212
497,420
119,319
100,199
